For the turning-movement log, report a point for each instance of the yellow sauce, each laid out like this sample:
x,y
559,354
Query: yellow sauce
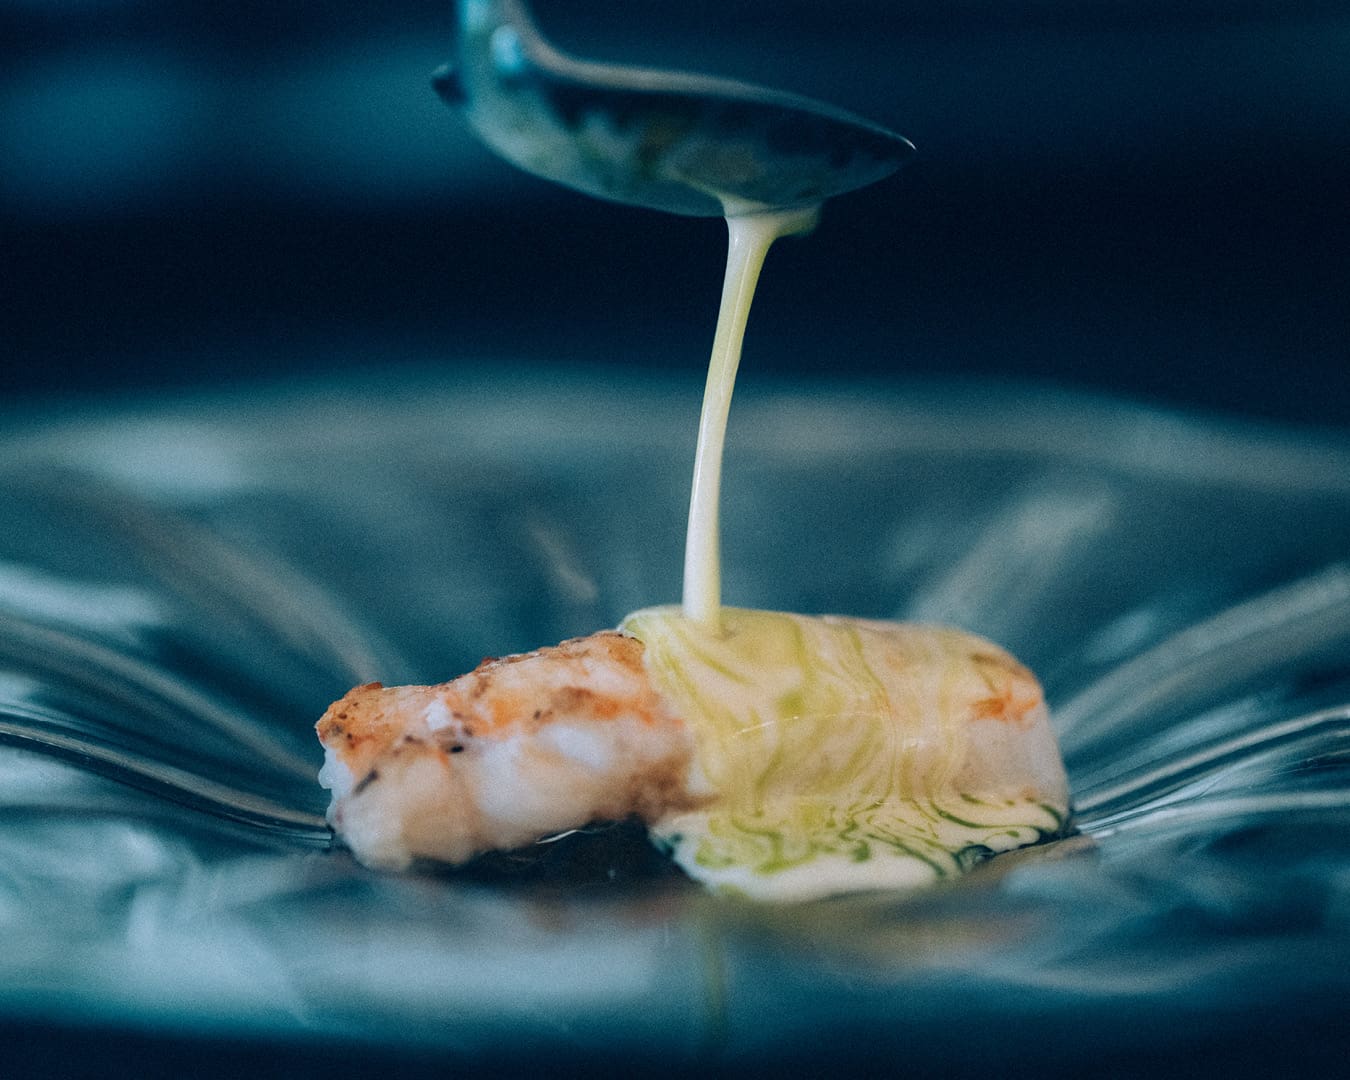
x,y
751,233
834,754
838,754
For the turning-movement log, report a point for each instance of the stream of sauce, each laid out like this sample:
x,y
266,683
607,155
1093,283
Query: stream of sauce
x,y
750,234
840,751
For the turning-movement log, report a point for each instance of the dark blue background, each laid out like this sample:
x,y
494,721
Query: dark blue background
x,y
1147,197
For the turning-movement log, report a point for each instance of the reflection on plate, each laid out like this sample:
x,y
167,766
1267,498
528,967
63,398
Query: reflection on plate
x,y
185,585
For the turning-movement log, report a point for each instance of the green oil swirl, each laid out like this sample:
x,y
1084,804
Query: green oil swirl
x,y
832,752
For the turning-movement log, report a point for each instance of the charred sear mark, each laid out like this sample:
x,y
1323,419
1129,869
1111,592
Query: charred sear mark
x,y
366,781
452,741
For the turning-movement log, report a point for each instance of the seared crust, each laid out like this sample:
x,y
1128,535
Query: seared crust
x,y
517,748
594,678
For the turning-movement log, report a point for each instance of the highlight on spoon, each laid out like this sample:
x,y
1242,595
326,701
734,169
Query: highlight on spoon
x,y
672,141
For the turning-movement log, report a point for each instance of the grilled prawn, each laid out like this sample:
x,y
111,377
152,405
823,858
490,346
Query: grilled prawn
x,y
782,757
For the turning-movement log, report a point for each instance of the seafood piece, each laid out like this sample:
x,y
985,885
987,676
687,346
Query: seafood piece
x,y
784,757
518,748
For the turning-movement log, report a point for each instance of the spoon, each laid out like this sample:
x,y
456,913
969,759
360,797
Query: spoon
x,y
683,143
686,144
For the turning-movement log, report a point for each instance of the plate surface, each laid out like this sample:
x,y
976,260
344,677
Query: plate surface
x,y
186,584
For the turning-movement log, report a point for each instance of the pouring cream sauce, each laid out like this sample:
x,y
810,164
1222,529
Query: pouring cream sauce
x,y
750,234
838,754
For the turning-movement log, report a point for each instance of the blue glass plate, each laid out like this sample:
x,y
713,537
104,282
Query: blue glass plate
x,y
185,584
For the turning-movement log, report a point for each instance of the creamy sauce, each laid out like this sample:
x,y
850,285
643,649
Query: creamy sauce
x,y
839,754
750,234
834,754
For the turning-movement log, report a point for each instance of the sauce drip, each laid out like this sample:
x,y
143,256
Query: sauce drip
x,y
750,234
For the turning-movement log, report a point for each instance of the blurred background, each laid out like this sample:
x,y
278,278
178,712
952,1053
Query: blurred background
x,y
1150,198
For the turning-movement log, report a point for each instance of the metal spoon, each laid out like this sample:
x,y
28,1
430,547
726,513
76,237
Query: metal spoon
x,y
687,144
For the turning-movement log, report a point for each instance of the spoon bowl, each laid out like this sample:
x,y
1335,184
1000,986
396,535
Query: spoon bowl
x,y
682,143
